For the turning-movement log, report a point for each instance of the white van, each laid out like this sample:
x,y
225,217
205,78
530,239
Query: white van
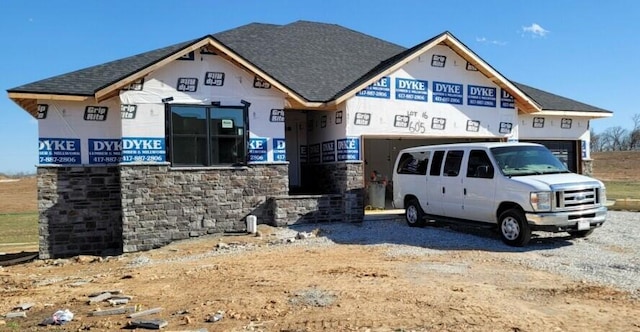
x,y
521,187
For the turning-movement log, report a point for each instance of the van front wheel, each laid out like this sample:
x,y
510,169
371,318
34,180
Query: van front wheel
x,y
514,228
414,214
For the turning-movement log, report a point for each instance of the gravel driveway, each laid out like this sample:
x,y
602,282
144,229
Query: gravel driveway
x,y
610,256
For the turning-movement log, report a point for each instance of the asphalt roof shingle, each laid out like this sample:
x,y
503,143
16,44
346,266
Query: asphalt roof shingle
x,y
314,59
87,81
553,102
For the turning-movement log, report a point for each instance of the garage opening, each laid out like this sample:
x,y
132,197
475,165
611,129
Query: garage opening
x,y
379,158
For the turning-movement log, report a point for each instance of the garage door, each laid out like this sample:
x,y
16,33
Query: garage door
x,y
564,150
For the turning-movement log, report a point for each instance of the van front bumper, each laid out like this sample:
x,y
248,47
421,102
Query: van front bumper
x,y
567,220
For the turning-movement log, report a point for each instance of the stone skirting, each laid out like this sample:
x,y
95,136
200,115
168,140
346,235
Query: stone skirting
x,y
161,204
587,167
290,210
347,180
126,208
79,211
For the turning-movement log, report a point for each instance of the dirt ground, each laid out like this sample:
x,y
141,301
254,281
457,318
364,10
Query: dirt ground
x,y
265,284
272,285
18,195
616,165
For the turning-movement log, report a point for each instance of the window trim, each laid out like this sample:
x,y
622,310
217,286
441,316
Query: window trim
x,y
207,108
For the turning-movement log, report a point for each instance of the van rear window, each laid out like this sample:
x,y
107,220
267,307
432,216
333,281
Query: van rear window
x,y
413,163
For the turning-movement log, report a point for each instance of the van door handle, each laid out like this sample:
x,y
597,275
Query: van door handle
x,y
465,191
443,190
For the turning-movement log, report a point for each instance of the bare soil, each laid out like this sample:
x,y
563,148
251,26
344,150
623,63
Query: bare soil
x,y
285,287
274,286
18,195
616,165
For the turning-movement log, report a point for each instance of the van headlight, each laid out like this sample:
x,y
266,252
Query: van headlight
x,y
541,201
603,195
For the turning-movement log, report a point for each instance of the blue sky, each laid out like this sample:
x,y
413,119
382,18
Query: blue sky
x,y
580,49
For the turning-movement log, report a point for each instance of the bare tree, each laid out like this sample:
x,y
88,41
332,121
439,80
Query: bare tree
x,y
634,135
614,139
595,142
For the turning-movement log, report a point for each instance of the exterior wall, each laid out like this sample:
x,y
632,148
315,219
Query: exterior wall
x,y
435,95
327,139
344,178
106,188
290,210
552,127
161,204
79,211
587,167
216,80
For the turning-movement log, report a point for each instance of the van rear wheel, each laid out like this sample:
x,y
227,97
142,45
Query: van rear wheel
x,y
514,228
414,214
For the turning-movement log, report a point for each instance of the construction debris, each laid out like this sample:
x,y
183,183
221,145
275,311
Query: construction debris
x,y
115,302
18,314
99,298
24,306
145,313
59,317
154,324
114,311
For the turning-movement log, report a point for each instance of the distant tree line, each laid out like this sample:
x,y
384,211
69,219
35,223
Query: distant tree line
x,y
17,175
617,138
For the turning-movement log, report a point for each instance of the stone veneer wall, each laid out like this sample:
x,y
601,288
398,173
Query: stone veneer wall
x,y
343,178
587,167
162,204
298,209
79,211
111,210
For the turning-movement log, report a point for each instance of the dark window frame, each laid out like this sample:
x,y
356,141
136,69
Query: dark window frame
x,y
208,110
413,163
436,163
479,165
453,163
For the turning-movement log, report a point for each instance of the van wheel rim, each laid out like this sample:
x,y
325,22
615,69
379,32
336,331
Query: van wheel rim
x,y
412,214
510,228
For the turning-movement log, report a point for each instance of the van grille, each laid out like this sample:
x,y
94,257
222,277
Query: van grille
x,y
577,199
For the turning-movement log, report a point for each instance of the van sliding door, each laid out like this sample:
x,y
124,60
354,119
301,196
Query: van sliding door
x,y
451,184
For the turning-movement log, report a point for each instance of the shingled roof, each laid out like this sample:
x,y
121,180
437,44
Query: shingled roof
x,y
314,59
318,61
553,102
87,81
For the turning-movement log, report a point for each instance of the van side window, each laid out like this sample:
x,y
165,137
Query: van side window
x,y
479,165
413,163
452,163
436,163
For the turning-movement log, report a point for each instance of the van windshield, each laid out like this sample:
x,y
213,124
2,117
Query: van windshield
x,y
520,160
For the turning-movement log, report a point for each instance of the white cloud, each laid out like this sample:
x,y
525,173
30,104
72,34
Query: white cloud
x,y
484,40
535,30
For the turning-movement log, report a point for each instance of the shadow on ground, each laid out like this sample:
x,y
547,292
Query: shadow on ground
x,y
438,235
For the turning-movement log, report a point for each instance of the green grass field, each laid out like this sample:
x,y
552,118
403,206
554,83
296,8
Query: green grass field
x,y
622,189
19,231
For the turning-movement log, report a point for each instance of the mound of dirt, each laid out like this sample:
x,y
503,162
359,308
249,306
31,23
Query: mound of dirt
x,y
18,195
616,165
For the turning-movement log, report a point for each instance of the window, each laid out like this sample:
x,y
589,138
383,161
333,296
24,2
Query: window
x,y
436,163
207,135
414,163
452,163
523,160
479,165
